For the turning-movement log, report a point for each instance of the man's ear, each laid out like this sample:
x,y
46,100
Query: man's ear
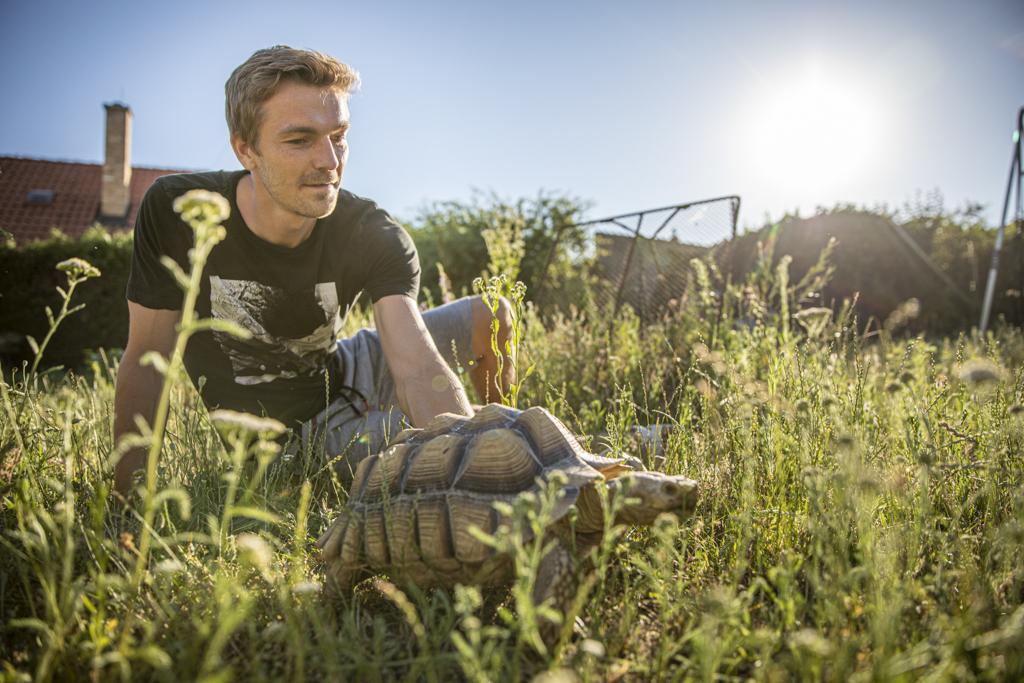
x,y
244,151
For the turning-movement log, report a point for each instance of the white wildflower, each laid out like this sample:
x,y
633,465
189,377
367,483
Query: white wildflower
x,y
202,206
78,267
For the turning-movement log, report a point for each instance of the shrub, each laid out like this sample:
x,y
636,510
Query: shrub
x,y
28,282
455,234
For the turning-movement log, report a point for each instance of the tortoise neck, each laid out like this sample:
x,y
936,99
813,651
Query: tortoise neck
x,y
636,512
590,517
590,510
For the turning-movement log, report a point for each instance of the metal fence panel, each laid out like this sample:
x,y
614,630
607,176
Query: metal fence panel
x,y
642,259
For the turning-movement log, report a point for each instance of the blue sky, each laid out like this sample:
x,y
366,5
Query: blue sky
x,y
791,105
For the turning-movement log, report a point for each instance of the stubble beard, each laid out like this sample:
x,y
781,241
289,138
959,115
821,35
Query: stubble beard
x,y
289,196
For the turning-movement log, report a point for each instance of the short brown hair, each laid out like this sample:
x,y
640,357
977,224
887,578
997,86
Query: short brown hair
x,y
258,77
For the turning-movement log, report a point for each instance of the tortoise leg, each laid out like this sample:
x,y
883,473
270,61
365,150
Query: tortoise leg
x,y
556,583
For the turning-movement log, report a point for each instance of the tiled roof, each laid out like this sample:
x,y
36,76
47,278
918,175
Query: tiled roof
x,y
76,196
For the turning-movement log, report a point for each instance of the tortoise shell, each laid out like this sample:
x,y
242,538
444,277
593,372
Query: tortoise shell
x,y
411,507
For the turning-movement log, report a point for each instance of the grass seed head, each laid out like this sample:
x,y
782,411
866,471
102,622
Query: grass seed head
x,y
233,419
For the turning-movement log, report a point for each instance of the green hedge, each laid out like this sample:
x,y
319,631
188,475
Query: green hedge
x,y
28,282
453,234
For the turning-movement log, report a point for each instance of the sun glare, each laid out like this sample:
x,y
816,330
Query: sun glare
x,y
815,132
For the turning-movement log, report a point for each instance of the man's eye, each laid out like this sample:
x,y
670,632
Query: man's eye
x,y
296,143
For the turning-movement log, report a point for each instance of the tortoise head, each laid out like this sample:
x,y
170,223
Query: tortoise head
x,y
648,494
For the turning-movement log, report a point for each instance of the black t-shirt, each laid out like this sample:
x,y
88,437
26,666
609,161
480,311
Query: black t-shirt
x,y
292,299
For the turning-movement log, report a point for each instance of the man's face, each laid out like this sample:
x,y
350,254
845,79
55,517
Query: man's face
x,y
301,148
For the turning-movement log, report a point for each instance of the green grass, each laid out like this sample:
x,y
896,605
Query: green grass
x,y
862,517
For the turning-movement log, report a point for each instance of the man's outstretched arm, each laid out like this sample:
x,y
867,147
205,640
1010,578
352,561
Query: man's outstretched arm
x,y
424,383
138,387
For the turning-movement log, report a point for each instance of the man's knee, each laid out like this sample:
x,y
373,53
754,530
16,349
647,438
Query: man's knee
x,y
483,316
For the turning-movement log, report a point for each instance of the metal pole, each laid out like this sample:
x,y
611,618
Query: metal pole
x,y
1017,213
629,262
990,288
1020,216
730,266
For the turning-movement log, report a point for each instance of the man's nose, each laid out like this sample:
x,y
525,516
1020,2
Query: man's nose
x,y
326,155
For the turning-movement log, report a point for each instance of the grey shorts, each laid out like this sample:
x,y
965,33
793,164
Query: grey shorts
x,y
360,423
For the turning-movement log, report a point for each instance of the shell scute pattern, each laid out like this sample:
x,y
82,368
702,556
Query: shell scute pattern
x,y
435,464
444,423
412,507
435,531
344,542
403,534
375,530
469,511
502,461
552,441
499,450
380,475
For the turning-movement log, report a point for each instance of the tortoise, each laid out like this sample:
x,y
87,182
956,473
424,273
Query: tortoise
x,y
411,507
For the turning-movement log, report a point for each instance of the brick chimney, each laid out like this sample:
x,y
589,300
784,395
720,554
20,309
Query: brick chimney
x,y
117,164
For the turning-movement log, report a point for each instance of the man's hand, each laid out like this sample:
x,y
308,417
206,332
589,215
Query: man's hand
x,y
138,387
424,383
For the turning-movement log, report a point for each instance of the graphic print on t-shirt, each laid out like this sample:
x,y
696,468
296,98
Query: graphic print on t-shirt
x,y
293,331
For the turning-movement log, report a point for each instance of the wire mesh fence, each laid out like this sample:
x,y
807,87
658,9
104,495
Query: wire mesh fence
x,y
643,259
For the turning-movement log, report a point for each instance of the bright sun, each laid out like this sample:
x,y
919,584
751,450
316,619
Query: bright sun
x,y
816,132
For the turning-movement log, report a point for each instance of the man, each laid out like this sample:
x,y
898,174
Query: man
x,y
298,252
